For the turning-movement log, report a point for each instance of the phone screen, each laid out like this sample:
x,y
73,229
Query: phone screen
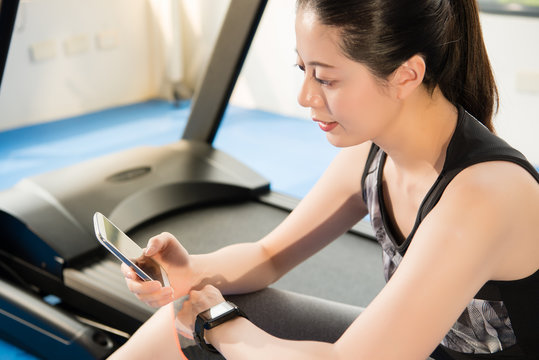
x,y
127,251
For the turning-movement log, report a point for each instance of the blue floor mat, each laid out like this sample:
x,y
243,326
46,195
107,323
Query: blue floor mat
x,y
40,148
292,153
10,352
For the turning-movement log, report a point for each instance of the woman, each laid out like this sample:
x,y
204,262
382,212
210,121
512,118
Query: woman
x,y
406,89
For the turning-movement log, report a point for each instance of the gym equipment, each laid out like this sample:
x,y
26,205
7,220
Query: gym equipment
x,y
48,248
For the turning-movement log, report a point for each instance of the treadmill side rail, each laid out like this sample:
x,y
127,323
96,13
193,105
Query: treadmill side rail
x,y
49,332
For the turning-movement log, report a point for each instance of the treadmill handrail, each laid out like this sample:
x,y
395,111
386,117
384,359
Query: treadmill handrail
x,y
8,14
229,53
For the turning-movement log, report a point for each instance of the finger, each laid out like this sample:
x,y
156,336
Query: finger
x,y
179,302
158,243
128,272
139,287
205,298
159,303
162,295
185,318
185,333
158,298
184,323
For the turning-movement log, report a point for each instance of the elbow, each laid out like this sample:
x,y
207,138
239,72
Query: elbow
x,y
272,269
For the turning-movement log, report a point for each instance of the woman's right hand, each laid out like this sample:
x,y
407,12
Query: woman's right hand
x,y
172,256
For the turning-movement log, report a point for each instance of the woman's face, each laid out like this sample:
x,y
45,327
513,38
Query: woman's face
x,y
350,104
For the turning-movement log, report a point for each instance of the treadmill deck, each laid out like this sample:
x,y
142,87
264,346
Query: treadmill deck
x,y
349,270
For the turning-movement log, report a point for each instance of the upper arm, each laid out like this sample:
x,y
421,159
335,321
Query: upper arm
x,y
331,208
455,251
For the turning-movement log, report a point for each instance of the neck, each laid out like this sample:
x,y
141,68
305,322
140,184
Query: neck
x,y
417,140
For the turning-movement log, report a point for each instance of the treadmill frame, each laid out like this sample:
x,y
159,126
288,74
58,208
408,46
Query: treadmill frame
x,y
33,214
48,243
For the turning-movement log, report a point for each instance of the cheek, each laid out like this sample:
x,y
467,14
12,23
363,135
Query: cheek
x,y
362,116
357,110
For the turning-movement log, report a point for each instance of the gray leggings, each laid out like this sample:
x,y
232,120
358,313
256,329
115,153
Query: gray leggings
x,y
287,315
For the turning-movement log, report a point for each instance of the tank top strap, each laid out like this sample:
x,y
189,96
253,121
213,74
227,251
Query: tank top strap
x,y
370,158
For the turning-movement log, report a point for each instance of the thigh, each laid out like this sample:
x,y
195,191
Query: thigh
x,y
288,315
155,336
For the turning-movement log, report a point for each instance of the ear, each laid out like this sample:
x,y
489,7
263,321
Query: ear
x,y
408,77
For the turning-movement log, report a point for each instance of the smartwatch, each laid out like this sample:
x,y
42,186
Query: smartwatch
x,y
214,316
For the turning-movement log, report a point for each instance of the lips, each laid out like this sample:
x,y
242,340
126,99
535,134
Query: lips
x,y
326,126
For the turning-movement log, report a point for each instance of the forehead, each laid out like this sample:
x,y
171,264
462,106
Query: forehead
x,y
313,38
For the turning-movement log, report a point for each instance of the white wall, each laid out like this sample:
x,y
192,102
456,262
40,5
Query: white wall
x,y
513,46
201,22
69,57
269,80
137,67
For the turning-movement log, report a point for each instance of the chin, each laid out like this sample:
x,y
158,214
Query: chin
x,y
342,142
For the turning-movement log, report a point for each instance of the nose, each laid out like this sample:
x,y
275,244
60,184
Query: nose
x,y
309,95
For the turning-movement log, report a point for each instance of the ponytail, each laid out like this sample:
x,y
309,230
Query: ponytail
x,y
468,79
383,34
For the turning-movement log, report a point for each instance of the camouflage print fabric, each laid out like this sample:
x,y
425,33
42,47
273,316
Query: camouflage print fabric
x,y
484,326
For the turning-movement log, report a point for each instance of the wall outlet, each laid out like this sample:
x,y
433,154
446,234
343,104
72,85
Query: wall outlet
x,y
107,39
75,45
42,51
527,81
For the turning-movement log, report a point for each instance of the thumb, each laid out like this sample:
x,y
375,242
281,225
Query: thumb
x,y
150,250
158,243
166,248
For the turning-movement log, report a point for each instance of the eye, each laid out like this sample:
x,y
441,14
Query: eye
x,y
323,82
317,79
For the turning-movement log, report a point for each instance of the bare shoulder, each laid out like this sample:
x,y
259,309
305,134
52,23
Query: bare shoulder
x,y
496,183
459,246
497,203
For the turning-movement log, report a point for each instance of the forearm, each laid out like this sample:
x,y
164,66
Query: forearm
x,y
240,339
234,269
330,209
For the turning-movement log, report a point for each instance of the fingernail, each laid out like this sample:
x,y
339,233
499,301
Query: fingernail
x,y
149,251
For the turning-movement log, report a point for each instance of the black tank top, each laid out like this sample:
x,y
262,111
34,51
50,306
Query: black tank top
x,y
502,320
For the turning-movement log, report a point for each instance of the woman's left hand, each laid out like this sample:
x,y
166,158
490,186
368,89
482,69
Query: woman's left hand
x,y
198,301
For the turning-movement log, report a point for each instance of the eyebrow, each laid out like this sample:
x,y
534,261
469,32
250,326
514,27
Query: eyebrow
x,y
317,63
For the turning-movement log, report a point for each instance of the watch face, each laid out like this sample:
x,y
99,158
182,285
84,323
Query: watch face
x,y
216,311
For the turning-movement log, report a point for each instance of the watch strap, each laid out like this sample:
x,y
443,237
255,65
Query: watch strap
x,y
201,325
198,335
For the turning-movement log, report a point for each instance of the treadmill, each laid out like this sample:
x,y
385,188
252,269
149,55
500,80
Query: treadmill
x,y
62,295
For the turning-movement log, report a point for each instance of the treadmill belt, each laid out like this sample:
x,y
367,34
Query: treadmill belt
x,y
104,282
349,270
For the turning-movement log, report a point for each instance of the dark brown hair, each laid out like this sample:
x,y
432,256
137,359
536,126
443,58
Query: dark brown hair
x,y
383,34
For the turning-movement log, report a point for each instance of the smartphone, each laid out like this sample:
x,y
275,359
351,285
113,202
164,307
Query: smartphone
x,y
127,251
